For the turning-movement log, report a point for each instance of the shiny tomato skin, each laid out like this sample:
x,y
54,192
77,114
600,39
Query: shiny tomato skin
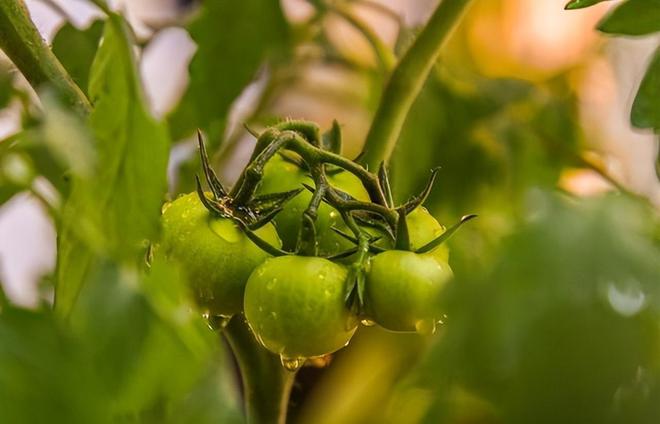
x,y
214,253
402,290
295,306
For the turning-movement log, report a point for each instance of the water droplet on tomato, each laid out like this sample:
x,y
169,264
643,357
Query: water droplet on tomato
x,y
425,326
368,322
165,207
291,364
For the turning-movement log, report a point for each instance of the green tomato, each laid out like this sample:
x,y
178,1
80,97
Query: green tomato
x,y
402,289
280,176
423,228
215,254
295,306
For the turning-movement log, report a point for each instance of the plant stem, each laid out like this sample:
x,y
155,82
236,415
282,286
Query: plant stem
x,y
406,82
266,384
23,44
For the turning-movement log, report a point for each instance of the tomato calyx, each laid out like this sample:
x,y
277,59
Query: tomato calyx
x,y
253,214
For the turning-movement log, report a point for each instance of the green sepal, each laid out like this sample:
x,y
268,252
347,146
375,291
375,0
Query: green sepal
x,y
211,178
418,200
384,181
444,236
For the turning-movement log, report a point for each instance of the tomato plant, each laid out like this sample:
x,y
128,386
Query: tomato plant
x,y
285,270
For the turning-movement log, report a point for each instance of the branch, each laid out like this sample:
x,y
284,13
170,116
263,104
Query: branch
x,y
22,43
407,81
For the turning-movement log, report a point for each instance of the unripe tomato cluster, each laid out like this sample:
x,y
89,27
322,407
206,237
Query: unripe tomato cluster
x,y
296,305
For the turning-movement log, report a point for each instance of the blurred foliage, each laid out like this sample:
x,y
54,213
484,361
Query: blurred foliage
x,y
233,39
112,361
6,85
563,327
76,49
646,108
115,207
633,17
579,4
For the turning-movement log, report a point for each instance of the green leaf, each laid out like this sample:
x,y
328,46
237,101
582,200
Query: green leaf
x,y
138,326
117,207
134,350
646,107
76,50
44,373
580,4
634,17
233,38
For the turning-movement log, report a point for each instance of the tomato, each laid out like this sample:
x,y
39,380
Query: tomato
x,y
402,288
295,306
215,254
423,228
281,176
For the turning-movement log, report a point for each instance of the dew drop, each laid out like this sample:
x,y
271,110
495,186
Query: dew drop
x,y
368,322
425,326
291,364
442,320
218,322
627,298
165,207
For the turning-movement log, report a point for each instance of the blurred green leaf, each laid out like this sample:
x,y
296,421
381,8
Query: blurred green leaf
x,y
646,108
134,350
146,324
233,40
44,373
118,207
492,139
16,169
579,4
564,328
633,17
76,49
6,86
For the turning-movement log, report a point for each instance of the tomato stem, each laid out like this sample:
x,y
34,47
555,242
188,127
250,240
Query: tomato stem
x,y
407,80
23,44
266,384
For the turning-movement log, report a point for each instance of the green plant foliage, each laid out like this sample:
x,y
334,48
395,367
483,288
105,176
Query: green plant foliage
x,y
113,359
233,40
490,139
580,4
633,17
564,327
76,49
116,208
646,108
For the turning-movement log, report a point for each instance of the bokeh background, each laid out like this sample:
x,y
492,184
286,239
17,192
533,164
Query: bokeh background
x,y
527,110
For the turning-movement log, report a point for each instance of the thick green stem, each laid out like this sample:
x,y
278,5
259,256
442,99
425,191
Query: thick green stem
x,y
266,384
406,82
22,43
